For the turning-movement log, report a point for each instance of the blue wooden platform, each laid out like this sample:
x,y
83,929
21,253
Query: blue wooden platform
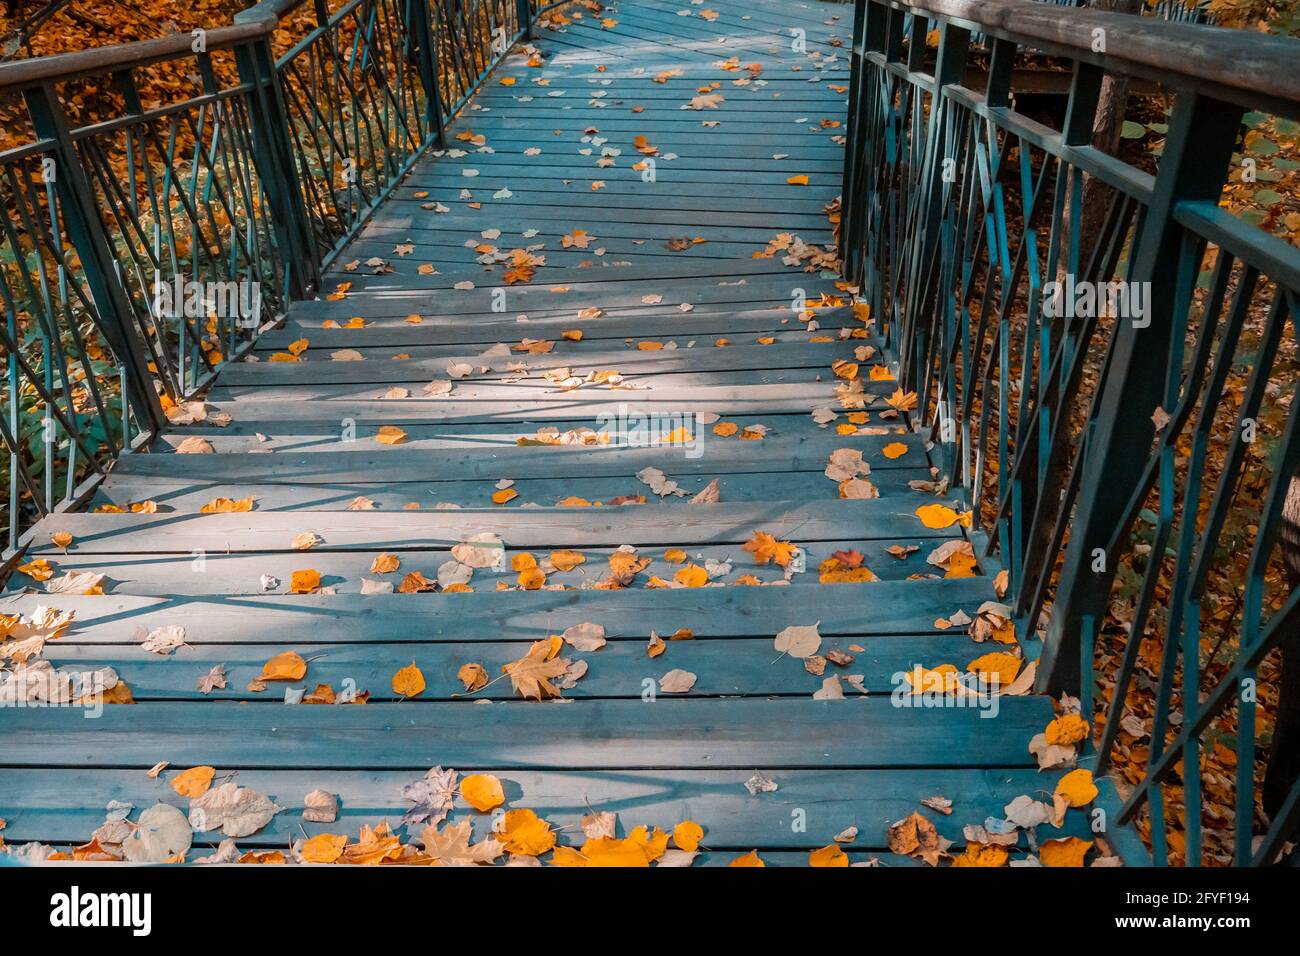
x,y
302,442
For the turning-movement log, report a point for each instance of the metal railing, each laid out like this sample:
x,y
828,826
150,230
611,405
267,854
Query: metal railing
x,y
145,244
1127,467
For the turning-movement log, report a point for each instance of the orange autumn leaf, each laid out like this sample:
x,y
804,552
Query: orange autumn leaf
x,y
749,859
996,666
473,676
693,576
894,449
525,833
828,856
982,855
1068,852
409,681
193,782
1077,788
530,579
567,560
323,848
797,180
961,566
936,516
482,791
227,506
504,495
1067,729
390,435
288,665
304,581
766,548
687,836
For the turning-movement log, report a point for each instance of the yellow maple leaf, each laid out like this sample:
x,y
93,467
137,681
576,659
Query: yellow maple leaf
x,y
531,674
766,548
525,833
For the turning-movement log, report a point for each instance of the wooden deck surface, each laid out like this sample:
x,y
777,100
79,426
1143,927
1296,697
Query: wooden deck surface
x,y
302,442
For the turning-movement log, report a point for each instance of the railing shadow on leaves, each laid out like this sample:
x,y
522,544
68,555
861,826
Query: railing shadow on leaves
x,y
146,243
1128,465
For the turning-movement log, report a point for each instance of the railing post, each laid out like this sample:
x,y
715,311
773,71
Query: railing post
x,y
1201,140
420,25
273,157
524,14
115,316
864,12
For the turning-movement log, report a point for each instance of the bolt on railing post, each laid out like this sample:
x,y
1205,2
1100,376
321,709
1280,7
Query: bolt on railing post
x,y
276,167
1194,165
115,316
420,25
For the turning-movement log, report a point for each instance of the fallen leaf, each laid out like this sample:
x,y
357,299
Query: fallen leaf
x,y
482,791
409,681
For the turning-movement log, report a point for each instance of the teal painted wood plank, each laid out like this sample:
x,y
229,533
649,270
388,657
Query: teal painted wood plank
x,y
744,354
607,734
397,463
644,526
240,573
883,607
190,496
47,806
725,667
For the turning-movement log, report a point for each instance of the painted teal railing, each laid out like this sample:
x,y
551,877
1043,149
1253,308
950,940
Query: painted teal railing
x,y
1128,467
242,186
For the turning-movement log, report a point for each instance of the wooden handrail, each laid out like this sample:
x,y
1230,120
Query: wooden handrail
x,y
1253,69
